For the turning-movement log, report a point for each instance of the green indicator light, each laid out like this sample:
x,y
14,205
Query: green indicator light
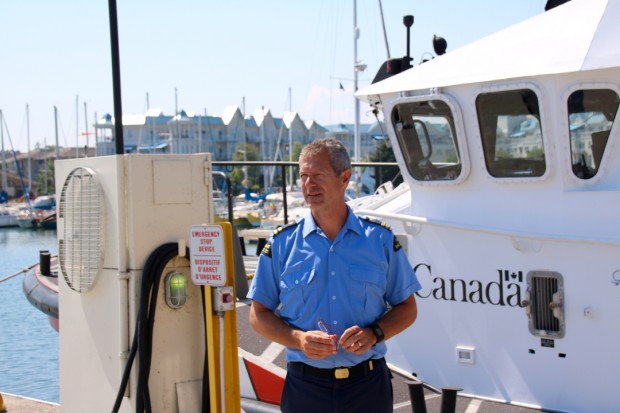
x,y
176,289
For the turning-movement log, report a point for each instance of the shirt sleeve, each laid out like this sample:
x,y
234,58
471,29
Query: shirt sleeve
x,y
402,281
265,285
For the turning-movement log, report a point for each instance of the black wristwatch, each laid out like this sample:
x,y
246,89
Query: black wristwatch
x,y
378,332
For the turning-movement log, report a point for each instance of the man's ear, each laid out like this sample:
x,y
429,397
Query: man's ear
x,y
346,176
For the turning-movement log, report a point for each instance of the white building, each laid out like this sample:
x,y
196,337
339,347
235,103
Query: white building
x,y
188,132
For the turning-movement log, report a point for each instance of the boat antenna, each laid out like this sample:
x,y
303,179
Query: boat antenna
x,y
116,79
408,22
397,65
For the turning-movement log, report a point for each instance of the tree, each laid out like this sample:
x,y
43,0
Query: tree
x,y
44,181
384,153
253,172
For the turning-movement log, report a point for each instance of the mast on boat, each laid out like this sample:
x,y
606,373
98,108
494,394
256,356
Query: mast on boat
x,y
86,128
290,139
77,126
56,132
4,178
28,144
357,67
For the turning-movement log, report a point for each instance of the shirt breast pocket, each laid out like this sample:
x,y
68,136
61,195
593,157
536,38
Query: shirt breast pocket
x,y
293,283
368,289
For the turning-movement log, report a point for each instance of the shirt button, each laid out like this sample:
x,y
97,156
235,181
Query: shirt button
x,y
333,272
333,297
335,322
296,281
331,249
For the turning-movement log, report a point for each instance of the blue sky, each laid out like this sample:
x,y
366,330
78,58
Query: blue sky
x,y
215,54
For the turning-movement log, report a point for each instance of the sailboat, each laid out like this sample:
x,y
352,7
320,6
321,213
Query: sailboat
x,y
8,213
41,213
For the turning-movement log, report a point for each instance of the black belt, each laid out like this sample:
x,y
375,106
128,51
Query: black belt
x,y
359,370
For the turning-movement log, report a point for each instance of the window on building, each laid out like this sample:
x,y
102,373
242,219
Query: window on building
x,y
511,133
591,114
427,138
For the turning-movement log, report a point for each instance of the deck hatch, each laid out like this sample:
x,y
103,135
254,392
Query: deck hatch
x,y
544,304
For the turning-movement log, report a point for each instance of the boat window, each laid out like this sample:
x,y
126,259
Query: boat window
x,y
590,116
425,131
511,133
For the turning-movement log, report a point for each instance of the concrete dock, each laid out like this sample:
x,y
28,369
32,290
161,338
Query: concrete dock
x,y
19,404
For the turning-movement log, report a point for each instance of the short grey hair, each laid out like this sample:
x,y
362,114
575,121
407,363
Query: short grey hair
x,y
338,154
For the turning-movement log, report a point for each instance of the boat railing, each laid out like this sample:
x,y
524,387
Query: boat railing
x,y
282,165
413,225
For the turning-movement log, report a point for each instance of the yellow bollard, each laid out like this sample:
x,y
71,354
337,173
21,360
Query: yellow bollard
x,y
223,373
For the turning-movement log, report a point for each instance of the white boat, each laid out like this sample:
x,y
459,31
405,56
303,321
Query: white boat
x,y
8,217
509,211
296,208
43,208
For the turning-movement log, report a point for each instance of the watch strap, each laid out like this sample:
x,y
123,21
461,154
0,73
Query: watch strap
x,y
378,332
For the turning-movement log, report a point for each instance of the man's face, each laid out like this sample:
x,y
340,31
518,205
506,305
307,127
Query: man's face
x,y
321,187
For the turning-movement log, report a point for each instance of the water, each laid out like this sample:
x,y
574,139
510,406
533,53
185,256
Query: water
x,y
28,344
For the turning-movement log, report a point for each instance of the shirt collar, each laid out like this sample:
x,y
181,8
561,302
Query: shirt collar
x,y
352,223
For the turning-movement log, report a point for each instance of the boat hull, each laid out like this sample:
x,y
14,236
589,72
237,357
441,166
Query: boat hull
x,y
42,292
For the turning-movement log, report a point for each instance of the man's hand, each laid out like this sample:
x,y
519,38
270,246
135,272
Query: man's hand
x,y
317,345
357,340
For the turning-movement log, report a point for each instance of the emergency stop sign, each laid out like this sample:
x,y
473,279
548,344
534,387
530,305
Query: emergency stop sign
x,y
208,260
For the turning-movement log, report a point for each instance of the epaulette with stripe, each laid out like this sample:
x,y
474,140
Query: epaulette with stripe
x,y
385,225
267,248
377,222
279,230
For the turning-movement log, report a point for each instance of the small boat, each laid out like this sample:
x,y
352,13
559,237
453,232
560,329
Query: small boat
x,y
49,222
40,287
42,214
8,217
296,208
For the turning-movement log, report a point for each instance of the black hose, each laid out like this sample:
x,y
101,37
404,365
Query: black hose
x,y
154,268
143,335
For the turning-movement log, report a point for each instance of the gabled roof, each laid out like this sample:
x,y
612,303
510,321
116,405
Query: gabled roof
x,y
229,113
578,35
310,124
261,114
289,117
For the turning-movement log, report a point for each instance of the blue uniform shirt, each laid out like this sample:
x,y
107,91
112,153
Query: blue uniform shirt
x,y
303,277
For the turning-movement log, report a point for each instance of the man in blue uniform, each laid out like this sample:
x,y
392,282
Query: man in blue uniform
x,y
331,288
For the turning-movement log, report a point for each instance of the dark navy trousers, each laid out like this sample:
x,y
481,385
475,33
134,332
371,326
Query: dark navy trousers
x,y
307,393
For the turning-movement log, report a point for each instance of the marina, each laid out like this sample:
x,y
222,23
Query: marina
x,y
29,382
507,213
28,344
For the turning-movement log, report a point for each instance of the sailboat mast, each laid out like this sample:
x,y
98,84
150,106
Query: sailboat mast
x,y
86,129
290,138
56,132
77,126
176,116
45,165
387,47
28,143
356,130
245,143
4,179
